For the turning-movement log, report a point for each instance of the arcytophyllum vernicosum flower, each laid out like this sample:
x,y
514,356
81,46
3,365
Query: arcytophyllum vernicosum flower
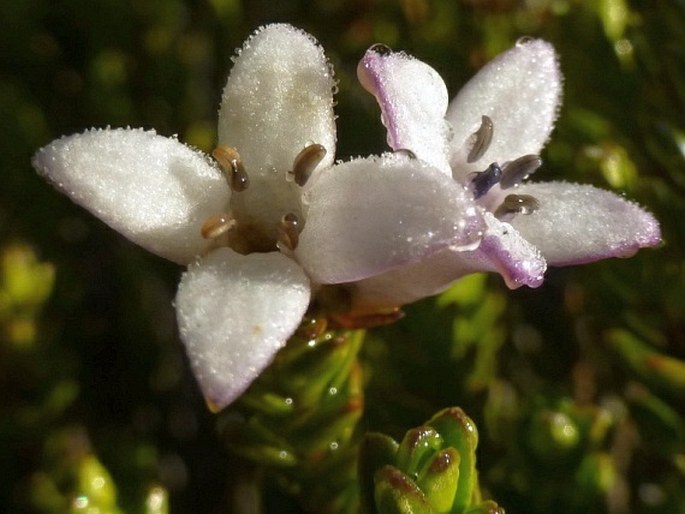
x,y
488,139
252,229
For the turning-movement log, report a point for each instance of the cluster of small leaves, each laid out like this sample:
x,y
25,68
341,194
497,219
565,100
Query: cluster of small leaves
x,y
432,471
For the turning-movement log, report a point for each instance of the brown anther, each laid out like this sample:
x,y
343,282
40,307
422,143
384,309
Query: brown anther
x,y
288,232
516,171
216,225
517,204
481,139
229,160
306,162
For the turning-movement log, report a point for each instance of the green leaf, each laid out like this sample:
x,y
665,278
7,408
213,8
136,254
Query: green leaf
x,y
460,433
396,493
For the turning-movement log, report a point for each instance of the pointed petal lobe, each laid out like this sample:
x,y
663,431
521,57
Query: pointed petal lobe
x,y
234,313
576,224
413,100
278,100
154,190
520,91
370,215
506,252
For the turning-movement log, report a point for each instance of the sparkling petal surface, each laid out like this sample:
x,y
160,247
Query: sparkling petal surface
x,y
520,91
413,101
409,283
370,215
502,250
576,224
154,190
278,99
234,313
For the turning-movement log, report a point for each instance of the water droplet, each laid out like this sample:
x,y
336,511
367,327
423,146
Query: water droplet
x,y
380,49
288,232
405,152
516,204
523,41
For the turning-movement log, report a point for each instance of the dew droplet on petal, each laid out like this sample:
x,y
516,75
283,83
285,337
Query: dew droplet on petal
x,y
380,49
516,204
405,152
288,233
523,41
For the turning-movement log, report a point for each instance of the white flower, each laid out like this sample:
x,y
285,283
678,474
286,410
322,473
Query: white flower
x,y
488,139
262,233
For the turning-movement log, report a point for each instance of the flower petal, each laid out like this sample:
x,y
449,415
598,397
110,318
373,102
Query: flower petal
x,y
413,100
506,252
370,215
407,284
154,190
576,224
234,313
520,90
502,250
278,99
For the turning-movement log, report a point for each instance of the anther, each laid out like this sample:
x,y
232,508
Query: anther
x,y
306,162
483,181
516,171
481,139
380,49
288,232
229,160
216,225
517,204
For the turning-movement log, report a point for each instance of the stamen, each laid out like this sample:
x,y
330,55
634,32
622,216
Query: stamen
x,y
216,225
482,139
288,232
483,181
306,162
516,171
229,160
517,204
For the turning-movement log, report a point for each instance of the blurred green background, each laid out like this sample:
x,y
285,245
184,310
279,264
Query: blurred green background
x,y
577,388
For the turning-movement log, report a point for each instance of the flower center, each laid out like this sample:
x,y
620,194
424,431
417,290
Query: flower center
x,y
266,212
508,175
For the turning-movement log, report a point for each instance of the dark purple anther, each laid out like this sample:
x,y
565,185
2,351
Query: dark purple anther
x,y
483,181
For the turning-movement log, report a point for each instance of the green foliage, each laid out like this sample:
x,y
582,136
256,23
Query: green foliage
x,y
433,469
299,419
576,387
